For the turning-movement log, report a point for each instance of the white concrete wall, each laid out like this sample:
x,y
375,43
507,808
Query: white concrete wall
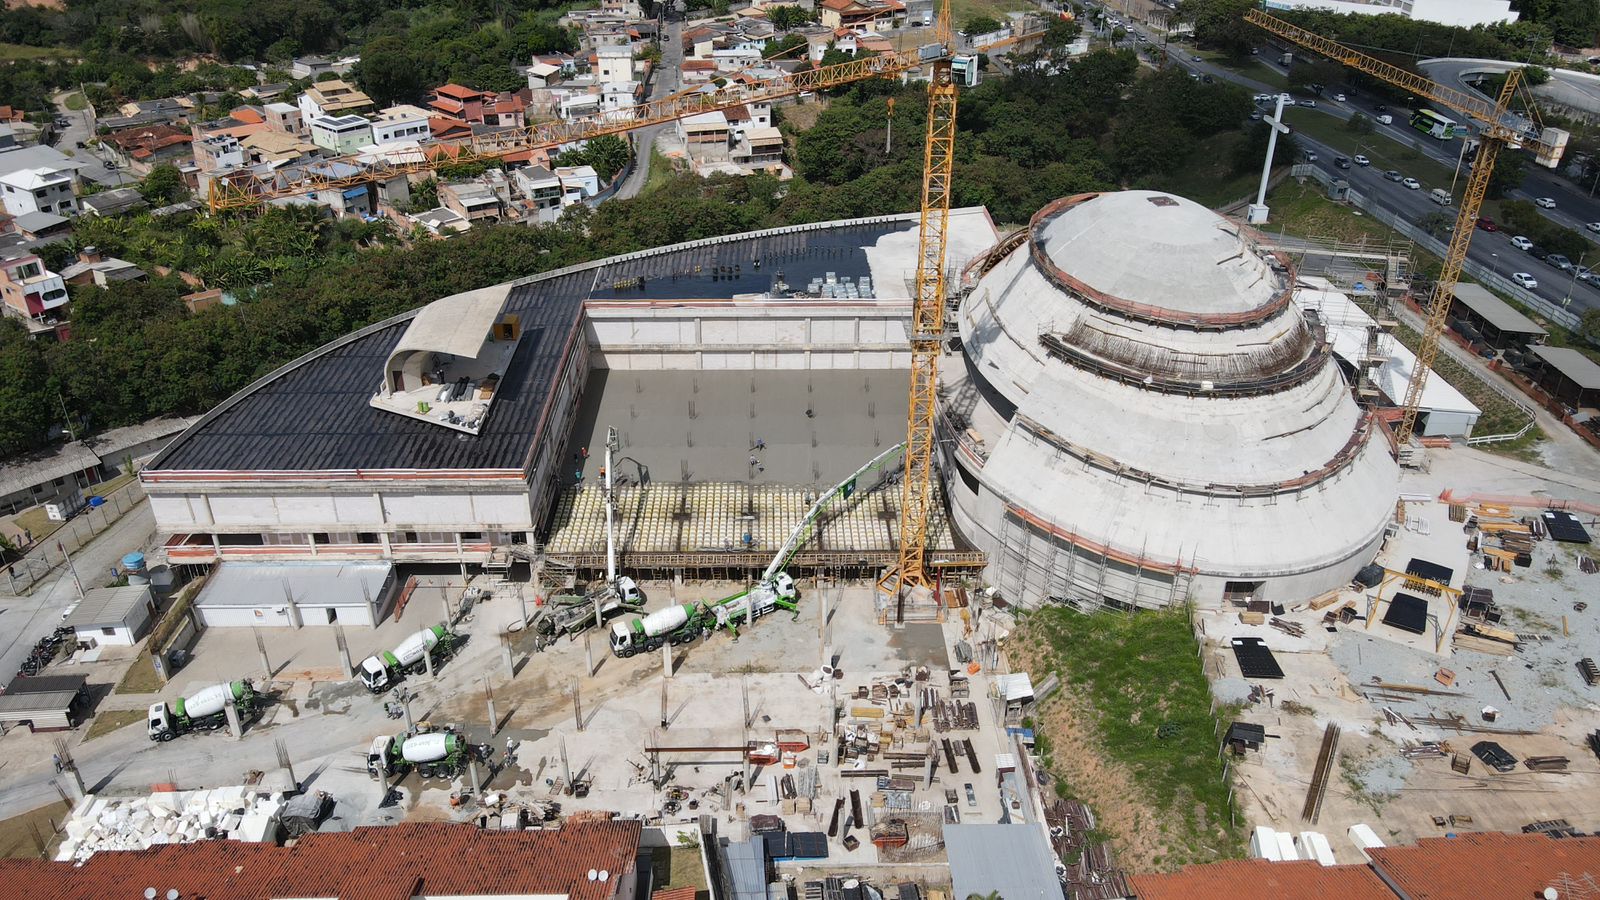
x,y
780,334
312,509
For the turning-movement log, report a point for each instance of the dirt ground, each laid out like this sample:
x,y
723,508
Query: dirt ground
x,y
20,835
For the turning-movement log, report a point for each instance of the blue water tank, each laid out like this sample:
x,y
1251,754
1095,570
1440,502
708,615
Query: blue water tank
x,y
133,562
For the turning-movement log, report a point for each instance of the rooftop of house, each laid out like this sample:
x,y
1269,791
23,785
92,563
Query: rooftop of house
x,y
13,159
394,862
340,123
33,179
147,141
400,113
113,201
459,92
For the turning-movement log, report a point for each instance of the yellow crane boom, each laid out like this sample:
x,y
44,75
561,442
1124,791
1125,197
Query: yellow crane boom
x,y
245,190
1498,128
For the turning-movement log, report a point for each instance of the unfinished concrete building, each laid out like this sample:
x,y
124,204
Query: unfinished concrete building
x,y
1141,414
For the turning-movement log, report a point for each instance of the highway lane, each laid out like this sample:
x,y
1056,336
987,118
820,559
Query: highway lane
x,y
1574,206
1491,249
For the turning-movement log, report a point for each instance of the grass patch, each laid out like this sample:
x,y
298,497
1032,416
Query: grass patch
x,y
36,522
141,677
1500,416
1384,152
20,836
1252,68
1149,711
662,171
962,10
75,101
679,867
1304,210
1207,177
15,52
111,720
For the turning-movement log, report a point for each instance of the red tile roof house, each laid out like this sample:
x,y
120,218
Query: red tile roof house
x,y
142,149
396,862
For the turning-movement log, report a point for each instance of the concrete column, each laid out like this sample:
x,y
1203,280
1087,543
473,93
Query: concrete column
x,y
666,660
232,711
507,656
344,653
261,648
472,773
588,655
427,662
566,771
449,613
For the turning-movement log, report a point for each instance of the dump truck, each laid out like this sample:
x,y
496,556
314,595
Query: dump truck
x,y
434,754
678,624
382,671
204,710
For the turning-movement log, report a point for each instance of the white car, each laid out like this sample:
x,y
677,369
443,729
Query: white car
x,y
1308,102
1363,161
1412,184
1521,243
1339,97
1265,98
1287,100
1524,279
1594,227
1545,203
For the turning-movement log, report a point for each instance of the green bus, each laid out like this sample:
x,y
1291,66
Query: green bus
x,y
1434,125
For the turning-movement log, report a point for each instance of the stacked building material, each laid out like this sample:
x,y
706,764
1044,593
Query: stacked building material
x,y
239,813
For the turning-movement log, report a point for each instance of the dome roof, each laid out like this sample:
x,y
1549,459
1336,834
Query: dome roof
x,y
1156,250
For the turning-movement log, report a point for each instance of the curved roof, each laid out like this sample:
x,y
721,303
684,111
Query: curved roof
x,y
1155,249
456,324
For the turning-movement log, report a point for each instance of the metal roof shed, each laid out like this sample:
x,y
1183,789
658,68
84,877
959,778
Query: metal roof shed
x,y
116,615
1013,861
1568,375
1502,325
46,703
291,594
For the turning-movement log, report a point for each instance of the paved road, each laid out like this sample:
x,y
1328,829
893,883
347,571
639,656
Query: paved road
x,y
666,81
79,129
25,619
1579,90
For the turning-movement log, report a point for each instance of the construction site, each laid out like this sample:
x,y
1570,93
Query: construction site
x,y
759,541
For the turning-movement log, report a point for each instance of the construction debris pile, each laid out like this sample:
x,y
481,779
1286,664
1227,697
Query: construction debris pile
x,y
240,813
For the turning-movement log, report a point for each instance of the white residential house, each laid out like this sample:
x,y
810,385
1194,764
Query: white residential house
x,y
399,123
578,182
619,95
543,75
734,59
41,189
579,104
542,188
614,64
112,615
341,135
285,117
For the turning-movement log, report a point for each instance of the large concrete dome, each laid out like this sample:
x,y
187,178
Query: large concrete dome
x,y
1142,414
1145,247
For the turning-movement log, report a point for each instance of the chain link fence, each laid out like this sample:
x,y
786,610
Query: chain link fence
x,y
50,551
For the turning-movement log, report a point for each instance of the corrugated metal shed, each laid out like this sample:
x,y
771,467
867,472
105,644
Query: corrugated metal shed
x,y
102,607
1495,311
1012,860
44,701
745,867
1573,366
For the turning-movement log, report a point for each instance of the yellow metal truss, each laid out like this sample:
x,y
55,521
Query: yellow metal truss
x,y
1498,129
927,333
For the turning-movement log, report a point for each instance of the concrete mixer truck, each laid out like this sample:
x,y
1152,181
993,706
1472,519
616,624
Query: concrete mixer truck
x,y
203,710
434,754
679,624
382,671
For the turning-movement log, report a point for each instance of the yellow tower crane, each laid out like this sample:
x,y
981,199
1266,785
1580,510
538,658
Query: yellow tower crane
x,y
927,324
1498,128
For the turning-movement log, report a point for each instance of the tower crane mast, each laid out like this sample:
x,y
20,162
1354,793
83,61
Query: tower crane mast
x,y
1499,128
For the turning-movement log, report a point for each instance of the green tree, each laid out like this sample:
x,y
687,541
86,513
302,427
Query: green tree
x,y
1509,170
389,72
1058,33
981,25
1589,326
27,400
163,185
1360,123
1220,24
